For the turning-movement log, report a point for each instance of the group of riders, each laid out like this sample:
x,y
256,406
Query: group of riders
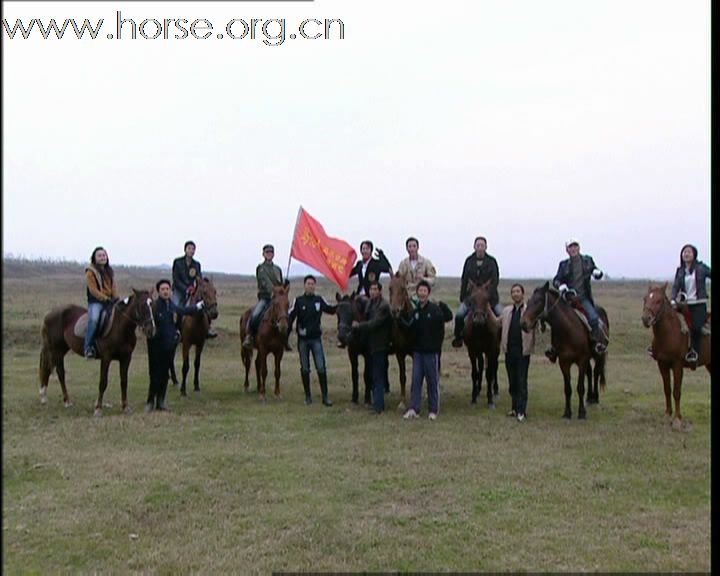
x,y
572,280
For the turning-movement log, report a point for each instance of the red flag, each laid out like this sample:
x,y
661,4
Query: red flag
x,y
332,257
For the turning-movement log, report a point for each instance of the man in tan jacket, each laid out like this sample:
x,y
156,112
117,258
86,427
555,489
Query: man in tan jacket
x,y
415,268
517,345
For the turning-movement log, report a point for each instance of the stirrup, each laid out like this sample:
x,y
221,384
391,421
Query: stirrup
x,y
691,356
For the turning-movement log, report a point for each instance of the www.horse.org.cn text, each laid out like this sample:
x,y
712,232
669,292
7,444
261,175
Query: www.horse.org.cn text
x,y
270,31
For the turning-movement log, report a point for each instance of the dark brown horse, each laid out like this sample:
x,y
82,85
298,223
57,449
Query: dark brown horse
x,y
58,336
271,338
669,346
482,338
349,309
570,338
195,330
403,339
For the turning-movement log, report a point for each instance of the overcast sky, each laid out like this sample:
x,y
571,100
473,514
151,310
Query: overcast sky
x,y
527,122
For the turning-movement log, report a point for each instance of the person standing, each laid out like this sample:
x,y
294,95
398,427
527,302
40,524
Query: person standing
x,y
162,345
186,273
308,310
415,268
689,288
377,327
479,267
427,323
517,345
101,293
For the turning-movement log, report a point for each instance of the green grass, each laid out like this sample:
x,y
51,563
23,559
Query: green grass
x,y
223,483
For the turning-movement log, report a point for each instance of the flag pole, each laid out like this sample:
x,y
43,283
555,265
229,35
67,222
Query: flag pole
x,y
297,219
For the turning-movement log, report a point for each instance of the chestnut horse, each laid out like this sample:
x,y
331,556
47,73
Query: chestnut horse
x,y
353,308
195,330
669,346
58,336
403,338
271,337
482,338
570,338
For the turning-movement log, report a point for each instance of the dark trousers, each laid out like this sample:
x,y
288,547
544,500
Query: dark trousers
x,y
697,316
517,367
425,366
379,364
159,359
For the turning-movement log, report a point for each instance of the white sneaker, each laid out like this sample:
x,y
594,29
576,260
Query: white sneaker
x,y
432,416
410,414
520,417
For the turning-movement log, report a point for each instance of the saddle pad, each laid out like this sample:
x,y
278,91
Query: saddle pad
x,y
581,314
105,325
684,324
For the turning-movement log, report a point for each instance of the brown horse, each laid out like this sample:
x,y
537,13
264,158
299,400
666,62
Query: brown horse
x,y
58,336
482,338
669,346
569,337
271,338
349,309
403,338
195,330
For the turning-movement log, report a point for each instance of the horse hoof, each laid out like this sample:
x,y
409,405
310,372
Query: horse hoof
x,y
127,410
278,397
107,405
67,404
491,406
567,415
677,424
197,390
401,407
97,413
262,399
582,416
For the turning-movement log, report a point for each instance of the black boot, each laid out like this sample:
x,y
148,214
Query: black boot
x,y
551,354
306,386
599,339
322,376
458,335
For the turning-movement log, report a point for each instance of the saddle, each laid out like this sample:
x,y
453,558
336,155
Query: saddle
x,y
104,325
686,321
580,311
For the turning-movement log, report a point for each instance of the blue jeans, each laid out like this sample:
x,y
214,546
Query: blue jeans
x,y
425,366
256,314
178,297
314,345
592,314
94,310
379,363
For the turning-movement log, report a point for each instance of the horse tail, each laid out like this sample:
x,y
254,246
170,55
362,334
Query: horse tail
x,y
600,369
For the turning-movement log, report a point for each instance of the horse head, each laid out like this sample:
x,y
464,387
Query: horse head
x,y
479,302
279,308
138,307
350,308
208,294
399,298
654,304
537,306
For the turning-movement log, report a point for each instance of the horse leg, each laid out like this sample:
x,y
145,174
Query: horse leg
x,y
491,379
104,367
581,391
475,379
355,377
264,373
665,373
403,379
173,376
278,358
367,377
259,374
247,360
677,389
198,354
60,369
565,368
124,366
589,376
46,368
185,368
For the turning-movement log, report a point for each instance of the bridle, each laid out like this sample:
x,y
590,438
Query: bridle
x,y
278,318
547,309
136,318
654,317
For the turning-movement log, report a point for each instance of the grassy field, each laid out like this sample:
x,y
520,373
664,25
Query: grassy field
x,y
224,484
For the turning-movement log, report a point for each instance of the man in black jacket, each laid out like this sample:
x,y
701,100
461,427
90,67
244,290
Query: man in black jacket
x,y
162,345
479,267
427,322
186,273
368,269
308,310
377,326
573,277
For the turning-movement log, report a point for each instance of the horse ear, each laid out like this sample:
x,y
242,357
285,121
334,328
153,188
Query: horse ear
x,y
352,294
487,284
397,274
664,287
546,285
471,285
338,298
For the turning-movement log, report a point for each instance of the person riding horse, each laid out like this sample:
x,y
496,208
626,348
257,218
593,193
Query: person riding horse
x,y
689,289
368,269
268,275
415,268
573,279
101,293
186,273
479,267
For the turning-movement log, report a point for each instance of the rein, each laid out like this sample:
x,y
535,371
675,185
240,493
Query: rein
x,y
656,317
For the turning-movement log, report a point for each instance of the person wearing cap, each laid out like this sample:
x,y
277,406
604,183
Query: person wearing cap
x,y
308,310
268,275
415,268
479,267
186,273
573,277
162,345
368,269
689,289
517,345
428,326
